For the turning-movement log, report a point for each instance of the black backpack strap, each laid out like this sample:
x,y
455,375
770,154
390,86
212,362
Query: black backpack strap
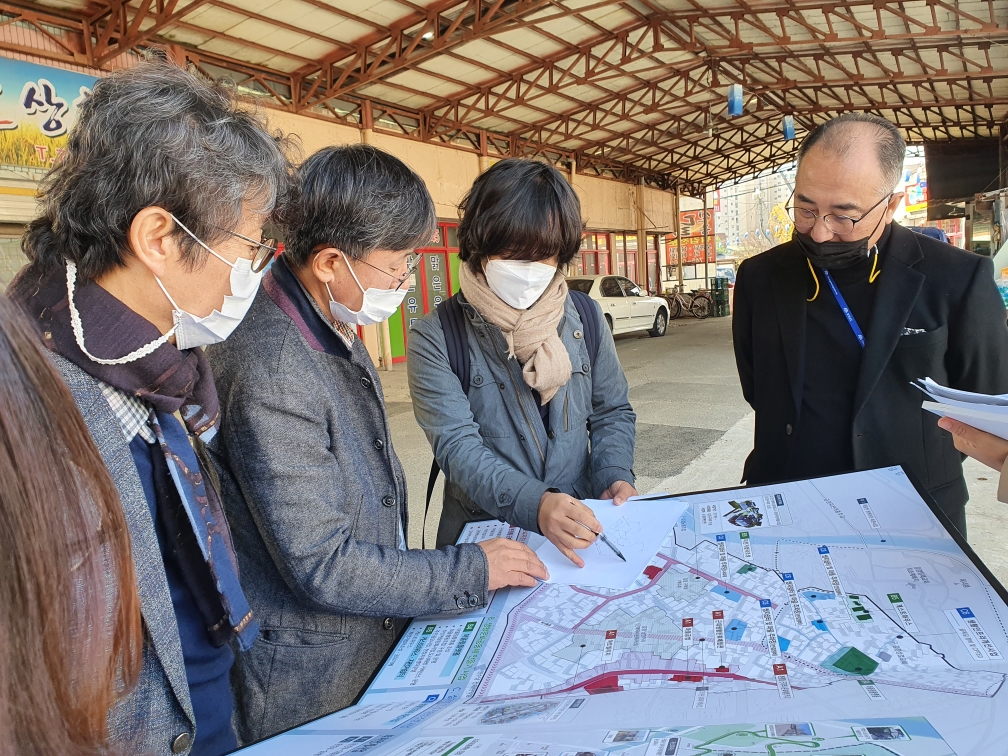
x,y
589,321
452,318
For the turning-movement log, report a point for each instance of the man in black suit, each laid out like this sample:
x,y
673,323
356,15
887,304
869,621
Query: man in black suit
x,y
831,328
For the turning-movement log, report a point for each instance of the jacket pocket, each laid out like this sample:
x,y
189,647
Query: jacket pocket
x,y
924,340
487,405
295,637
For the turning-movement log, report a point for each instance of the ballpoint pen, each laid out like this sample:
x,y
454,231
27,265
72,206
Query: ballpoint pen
x,y
604,540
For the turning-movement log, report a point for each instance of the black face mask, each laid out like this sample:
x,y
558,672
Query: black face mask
x,y
834,255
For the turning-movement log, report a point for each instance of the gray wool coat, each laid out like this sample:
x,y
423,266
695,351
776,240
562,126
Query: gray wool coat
x,y
496,453
315,497
158,712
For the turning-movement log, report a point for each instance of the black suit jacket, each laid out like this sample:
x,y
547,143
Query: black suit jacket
x,y
926,285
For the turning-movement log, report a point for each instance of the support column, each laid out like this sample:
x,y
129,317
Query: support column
x,y
706,265
484,156
1003,155
641,237
678,237
367,122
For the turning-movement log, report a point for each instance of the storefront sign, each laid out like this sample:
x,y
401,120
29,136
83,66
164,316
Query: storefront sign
x,y
692,249
38,106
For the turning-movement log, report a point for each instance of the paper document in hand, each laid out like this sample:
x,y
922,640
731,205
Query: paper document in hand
x,y
943,394
985,419
637,528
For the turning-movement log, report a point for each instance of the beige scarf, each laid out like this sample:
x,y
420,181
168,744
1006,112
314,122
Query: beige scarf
x,y
531,334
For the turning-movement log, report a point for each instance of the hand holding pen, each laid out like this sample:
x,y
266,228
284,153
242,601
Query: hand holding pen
x,y
568,523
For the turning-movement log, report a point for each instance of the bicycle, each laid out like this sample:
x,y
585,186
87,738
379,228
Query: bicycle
x,y
698,304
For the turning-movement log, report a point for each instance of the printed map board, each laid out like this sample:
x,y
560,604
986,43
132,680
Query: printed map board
x,y
830,616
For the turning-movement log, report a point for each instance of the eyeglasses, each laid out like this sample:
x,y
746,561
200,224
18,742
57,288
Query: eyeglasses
x,y
804,219
265,250
414,264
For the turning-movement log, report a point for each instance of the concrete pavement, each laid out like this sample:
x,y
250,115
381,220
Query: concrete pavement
x,y
694,430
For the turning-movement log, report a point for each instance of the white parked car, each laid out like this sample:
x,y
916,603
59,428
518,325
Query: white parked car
x,y
626,308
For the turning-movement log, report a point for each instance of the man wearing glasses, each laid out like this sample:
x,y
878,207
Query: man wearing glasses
x,y
313,490
831,328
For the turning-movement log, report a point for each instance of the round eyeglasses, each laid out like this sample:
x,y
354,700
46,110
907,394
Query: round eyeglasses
x,y
804,219
264,250
413,265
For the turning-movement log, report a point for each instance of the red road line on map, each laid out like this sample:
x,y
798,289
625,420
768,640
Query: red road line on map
x,y
629,672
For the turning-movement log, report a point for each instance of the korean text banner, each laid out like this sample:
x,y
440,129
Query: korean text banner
x,y
38,106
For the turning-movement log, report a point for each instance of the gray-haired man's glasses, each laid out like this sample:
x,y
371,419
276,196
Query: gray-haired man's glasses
x,y
265,250
804,219
414,264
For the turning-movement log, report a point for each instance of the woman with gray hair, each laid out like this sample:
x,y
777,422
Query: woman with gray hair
x,y
148,247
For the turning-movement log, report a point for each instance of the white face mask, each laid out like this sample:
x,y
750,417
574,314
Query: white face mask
x,y
517,282
190,331
378,305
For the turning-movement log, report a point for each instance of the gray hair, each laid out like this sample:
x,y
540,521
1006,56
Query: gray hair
x,y
155,135
358,199
842,134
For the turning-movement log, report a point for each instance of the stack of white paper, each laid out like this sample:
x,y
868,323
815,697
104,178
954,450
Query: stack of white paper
x,y
984,411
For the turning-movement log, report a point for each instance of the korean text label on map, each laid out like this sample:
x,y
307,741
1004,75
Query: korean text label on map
x,y
871,690
766,607
783,684
831,572
719,637
792,592
902,612
722,547
609,648
972,634
746,545
869,515
687,632
700,698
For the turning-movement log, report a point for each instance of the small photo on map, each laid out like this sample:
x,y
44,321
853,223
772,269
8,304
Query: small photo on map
x,y
739,514
665,746
881,732
789,729
516,712
627,736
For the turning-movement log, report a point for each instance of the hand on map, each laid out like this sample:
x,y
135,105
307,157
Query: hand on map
x,y
619,492
983,447
512,563
568,524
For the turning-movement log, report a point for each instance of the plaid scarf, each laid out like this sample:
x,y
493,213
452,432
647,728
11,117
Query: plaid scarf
x,y
170,381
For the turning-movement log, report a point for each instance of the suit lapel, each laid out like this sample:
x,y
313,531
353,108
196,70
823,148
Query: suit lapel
x,y
789,288
899,286
152,584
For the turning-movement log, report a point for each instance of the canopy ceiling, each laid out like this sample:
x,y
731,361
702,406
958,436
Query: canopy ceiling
x,y
635,90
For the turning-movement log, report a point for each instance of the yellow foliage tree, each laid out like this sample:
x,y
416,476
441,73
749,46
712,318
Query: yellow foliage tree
x,y
780,224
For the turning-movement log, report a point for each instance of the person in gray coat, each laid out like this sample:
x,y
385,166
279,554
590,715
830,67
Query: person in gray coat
x,y
541,426
148,247
314,492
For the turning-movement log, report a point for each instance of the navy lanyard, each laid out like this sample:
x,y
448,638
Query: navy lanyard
x,y
845,309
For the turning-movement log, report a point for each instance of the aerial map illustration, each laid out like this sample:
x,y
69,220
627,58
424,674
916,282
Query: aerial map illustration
x,y
830,616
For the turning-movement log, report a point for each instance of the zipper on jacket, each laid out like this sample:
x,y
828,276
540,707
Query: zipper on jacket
x,y
566,421
521,404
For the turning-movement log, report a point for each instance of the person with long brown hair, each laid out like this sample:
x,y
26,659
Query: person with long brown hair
x,y
70,632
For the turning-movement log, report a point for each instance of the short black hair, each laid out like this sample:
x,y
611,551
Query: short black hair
x,y
357,199
521,210
838,135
